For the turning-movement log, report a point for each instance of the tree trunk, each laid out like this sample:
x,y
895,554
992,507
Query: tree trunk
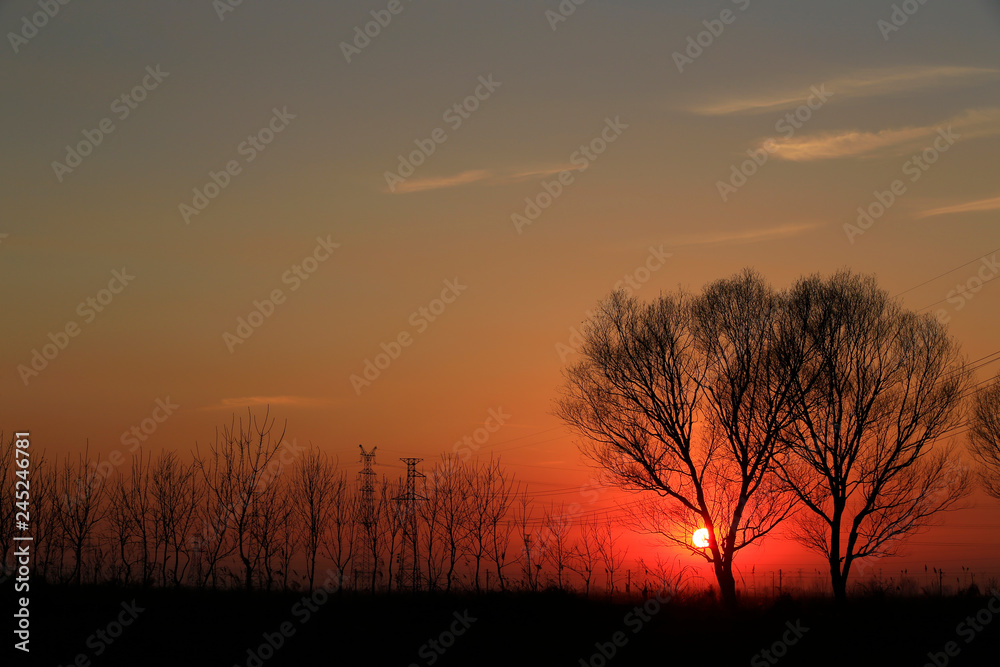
x,y
727,584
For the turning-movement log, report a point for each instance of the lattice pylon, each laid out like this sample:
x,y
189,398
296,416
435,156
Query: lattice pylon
x,y
364,564
408,576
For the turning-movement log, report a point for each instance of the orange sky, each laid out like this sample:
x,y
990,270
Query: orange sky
x,y
880,98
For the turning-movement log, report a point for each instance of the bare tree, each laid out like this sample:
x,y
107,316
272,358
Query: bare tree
x,y
685,398
45,515
83,493
235,471
612,556
502,490
7,499
554,539
431,514
453,490
390,524
984,436
532,556
315,492
342,530
876,387
176,496
491,492
586,554
122,531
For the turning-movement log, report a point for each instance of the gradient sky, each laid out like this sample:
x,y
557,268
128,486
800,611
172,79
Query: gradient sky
x,y
324,176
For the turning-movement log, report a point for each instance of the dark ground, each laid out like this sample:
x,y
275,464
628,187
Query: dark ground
x,y
190,628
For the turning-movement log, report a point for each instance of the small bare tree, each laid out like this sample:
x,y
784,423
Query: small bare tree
x,y
586,554
554,538
984,436
612,555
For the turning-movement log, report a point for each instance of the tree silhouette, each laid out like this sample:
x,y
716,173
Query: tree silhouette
x,y
984,436
684,398
876,387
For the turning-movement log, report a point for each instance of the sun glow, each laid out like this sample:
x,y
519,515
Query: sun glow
x,y
700,538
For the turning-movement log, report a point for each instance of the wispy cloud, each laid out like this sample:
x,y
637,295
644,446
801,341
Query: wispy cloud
x,y
968,207
481,176
746,235
974,123
244,402
442,182
868,83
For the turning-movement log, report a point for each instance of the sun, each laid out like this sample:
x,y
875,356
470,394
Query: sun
x,y
700,538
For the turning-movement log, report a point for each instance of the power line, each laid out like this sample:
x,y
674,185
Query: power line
x,y
927,282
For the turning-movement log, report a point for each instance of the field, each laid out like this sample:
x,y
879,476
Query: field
x,y
190,628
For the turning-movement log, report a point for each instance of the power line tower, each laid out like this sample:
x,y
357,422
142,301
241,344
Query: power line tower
x,y
409,564
364,565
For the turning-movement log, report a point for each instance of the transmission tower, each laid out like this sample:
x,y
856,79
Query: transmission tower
x,y
364,565
409,563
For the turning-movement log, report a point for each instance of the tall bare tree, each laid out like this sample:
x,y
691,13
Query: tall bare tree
x,y
83,493
7,498
176,496
342,530
984,436
45,515
317,483
876,388
684,397
236,471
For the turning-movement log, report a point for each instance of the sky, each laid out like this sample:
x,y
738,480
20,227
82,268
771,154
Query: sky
x,y
183,164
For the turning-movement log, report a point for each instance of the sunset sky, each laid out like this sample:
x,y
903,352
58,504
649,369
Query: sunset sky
x,y
614,108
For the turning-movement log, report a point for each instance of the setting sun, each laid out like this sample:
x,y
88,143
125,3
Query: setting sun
x,y
700,538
